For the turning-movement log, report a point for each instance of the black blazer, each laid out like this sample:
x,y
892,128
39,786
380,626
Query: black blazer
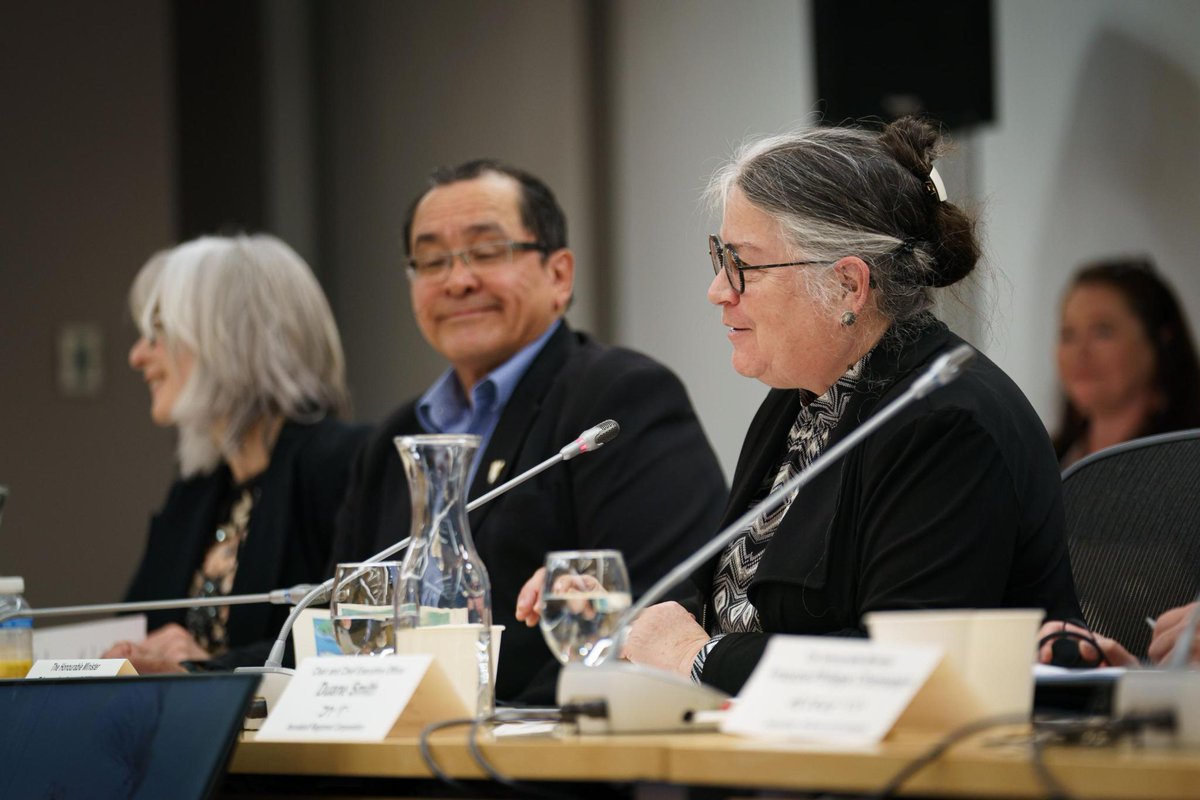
x,y
291,532
954,503
655,493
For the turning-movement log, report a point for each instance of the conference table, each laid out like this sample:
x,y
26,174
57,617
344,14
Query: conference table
x,y
992,764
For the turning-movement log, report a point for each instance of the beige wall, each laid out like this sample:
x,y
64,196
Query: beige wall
x,y
84,199
415,85
1097,152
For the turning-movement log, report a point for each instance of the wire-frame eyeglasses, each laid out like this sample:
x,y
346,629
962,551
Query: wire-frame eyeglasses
x,y
436,266
725,258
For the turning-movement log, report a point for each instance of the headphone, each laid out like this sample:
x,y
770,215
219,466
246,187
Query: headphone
x,y
1065,650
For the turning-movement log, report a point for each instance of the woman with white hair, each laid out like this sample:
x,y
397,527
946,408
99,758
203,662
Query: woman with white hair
x,y
241,354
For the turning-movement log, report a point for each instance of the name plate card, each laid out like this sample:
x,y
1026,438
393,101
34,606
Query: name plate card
x,y
345,698
842,691
81,668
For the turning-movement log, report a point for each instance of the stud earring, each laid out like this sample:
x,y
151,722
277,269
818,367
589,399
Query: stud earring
x,y
849,318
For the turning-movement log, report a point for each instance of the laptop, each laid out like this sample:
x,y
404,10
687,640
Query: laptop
x,y
99,738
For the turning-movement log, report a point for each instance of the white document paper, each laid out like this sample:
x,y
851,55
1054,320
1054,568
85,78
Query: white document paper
x,y
344,699
842,691
86,639
1048,673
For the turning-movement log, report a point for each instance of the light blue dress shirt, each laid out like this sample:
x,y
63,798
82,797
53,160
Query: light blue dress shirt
x,y
445,408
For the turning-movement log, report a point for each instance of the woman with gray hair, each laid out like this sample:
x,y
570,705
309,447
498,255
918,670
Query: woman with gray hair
x,y
241,354
831,245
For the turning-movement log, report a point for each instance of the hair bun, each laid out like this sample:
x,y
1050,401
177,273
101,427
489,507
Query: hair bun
x,y
915,144
956,250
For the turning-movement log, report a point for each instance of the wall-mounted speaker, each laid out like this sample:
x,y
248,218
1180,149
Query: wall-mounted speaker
x,y
220,112
887,58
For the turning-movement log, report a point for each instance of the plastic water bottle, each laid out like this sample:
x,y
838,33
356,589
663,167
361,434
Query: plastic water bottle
x,y
16,633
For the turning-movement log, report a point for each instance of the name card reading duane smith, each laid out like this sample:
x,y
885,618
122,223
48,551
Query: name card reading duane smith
x,y
344,698
81,668
844,691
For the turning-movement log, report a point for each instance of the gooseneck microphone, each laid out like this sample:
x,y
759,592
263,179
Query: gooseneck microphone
x,y
1182,652
944,369
278,597
304,595
590,440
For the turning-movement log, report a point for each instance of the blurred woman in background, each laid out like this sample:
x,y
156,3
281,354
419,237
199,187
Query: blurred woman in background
x,y
1125,358
241,354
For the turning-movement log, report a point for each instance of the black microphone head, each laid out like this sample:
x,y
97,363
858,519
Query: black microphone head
x,y
609,429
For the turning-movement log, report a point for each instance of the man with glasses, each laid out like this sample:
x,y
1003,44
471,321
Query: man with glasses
x,y
491,276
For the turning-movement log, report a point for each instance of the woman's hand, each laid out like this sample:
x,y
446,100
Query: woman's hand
x,y
1114,654
161,651
529,599
1167,630
665,636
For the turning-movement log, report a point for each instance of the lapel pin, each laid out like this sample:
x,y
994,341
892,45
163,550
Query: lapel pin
x,y
494,470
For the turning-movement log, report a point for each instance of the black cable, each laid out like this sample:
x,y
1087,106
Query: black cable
x,y
522,789
941,746
427,753
1054,789
564,714
1108,730
1105,731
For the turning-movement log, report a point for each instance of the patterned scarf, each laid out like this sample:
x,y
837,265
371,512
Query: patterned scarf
x,y
738,563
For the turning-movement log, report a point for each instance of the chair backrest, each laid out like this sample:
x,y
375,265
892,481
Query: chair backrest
x,y
1133,530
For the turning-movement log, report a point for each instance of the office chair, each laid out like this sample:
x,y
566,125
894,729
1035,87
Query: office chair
x,y
1133,531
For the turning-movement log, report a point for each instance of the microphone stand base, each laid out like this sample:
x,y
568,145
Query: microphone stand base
x,y
270,687
1144,691
638,699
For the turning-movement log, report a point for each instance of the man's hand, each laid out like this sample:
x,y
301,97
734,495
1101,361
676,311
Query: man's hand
x,y
529,598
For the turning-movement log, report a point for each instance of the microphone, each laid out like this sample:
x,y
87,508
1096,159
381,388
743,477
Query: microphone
x,y
944,369
573,678
305,594
278,597
1183,645
590,440
1170,693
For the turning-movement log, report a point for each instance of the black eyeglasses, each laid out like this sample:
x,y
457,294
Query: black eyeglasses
x,y
724,257
436,266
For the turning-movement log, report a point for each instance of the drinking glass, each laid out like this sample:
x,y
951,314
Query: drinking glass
x,y
584,595
362,607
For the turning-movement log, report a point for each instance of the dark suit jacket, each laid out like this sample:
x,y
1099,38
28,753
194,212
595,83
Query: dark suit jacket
x,y
954,503
655,493
290,536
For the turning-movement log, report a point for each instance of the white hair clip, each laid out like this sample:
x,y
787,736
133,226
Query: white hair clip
x,y
934,185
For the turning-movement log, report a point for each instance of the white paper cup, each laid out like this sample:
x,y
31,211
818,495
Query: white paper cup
x,y
454,648
991,649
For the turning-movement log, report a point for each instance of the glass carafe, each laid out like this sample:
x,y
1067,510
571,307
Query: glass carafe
x,y
443,580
